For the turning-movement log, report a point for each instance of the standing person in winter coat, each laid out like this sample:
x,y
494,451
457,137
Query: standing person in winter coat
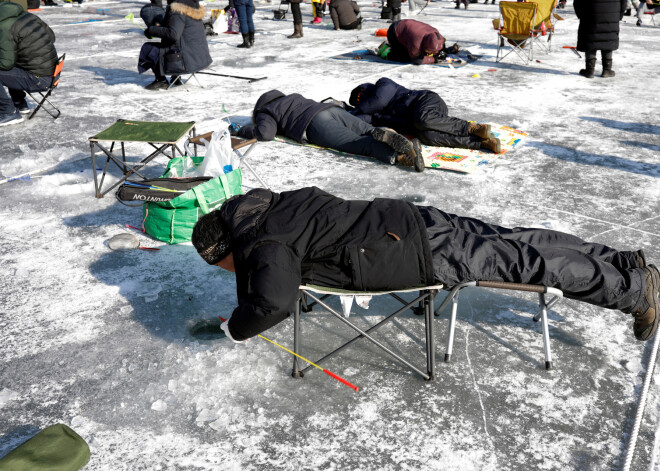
x,y
327,125
395,7
297,20
345,14
419,113
245,10
276,242
27,60
414,41
183,47
598,31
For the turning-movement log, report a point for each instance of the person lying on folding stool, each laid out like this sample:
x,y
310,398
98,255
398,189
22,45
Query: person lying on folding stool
x,y
27,60
419,113
275,242
327,125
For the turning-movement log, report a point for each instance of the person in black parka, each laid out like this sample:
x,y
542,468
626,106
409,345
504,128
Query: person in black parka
x,y
183,47
327,125
419,113
598,31
297,19
275,242
345,14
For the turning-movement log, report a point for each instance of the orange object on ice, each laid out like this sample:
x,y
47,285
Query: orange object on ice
x,y
381,32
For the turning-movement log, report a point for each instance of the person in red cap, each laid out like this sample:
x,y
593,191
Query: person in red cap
x,y
416,42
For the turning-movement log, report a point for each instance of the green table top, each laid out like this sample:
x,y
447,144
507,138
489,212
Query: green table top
x,y
144,131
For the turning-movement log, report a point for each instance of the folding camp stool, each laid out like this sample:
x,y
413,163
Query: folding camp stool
x,y
319,293
54,112
162,136
542,315
652,13
183,81
236,144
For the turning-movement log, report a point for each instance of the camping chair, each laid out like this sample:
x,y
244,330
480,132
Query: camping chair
x,y
45,94
545,24
542,315
185,81
318,294
236,145
162,136
515,28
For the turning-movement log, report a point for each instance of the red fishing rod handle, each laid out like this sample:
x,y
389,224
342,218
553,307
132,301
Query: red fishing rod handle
x,y
341,380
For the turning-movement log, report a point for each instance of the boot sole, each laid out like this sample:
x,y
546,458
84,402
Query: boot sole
x,y
649,331
396,141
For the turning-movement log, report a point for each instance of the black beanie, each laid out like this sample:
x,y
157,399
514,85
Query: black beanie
x,y
211,238
353,100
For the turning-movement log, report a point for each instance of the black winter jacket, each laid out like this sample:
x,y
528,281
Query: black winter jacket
x,y
182,32
343,12
26,41
388,104
280,241
599,24
286,115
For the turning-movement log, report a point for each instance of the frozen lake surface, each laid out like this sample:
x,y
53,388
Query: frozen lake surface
x,y
100,340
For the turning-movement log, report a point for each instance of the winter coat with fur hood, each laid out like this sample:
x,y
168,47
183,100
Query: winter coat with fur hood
x,y
184,48
281,240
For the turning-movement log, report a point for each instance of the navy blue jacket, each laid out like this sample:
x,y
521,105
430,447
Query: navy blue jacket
x,y
286,115
281,240
388,104
182,32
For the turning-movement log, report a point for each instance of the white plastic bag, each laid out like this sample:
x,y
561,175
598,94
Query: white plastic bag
x,y
219,157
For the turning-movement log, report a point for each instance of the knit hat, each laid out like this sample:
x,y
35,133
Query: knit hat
x,y
355,94
431,43
211,238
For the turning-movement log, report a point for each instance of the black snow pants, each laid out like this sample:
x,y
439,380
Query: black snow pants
x,y
434,128
467,249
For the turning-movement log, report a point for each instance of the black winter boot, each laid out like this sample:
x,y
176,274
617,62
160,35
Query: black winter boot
x,y
590,65
396,141
607,69
251,38
246,42
297,31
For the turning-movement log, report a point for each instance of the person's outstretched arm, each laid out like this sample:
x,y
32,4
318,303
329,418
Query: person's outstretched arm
x,y
264,129
268,292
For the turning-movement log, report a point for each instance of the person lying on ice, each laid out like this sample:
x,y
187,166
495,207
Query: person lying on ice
x,y
415,42
327,125
419,113
275,242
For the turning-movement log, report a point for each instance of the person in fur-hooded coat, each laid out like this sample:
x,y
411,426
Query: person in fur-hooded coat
x,y
183,47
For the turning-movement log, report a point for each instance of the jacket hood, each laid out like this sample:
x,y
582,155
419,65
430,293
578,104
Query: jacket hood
x,y
244,213
265,99
189,8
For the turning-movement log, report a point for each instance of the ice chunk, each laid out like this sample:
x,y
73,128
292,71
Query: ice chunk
x,y
159,406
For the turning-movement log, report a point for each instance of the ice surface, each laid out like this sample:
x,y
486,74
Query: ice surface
x,y
101,340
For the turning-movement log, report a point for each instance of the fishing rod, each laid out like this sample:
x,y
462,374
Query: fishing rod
x,y
328,372
249,79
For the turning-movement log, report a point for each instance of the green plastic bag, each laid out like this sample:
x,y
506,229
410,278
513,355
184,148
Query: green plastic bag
x,y
56,448
173,221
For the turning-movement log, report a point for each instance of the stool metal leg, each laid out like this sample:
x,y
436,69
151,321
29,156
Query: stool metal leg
x,y
546,331
296,373
452,326
430,342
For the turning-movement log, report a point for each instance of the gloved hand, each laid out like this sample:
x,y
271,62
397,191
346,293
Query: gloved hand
x,y
225,329
147,32
234,128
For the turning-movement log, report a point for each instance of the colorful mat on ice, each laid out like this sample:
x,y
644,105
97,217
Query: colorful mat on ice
x,y
453,61
449,158
468,160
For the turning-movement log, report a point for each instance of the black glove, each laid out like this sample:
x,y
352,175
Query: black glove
x,y
147,34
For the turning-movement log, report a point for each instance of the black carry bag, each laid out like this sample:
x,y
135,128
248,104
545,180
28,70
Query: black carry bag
x,y
155,189
280,14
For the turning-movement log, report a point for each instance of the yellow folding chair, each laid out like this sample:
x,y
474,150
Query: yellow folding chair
x,y
515,30
544,26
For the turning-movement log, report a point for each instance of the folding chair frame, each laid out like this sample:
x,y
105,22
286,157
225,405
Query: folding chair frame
x,y
45,94
236,144
547,46
542,315
425,299
185,82
128,168
526,56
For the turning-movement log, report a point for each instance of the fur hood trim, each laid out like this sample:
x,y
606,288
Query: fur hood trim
x,y
194,13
